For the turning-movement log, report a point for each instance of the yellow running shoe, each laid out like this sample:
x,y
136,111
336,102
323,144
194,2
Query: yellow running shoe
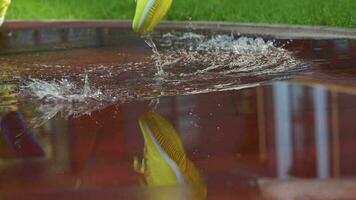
x,y
4,5
149,13
165,162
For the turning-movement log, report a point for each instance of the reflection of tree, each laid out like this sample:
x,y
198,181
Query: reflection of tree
x,y
98,149
314,130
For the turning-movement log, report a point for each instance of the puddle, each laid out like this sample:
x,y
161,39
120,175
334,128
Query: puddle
x,y
243,111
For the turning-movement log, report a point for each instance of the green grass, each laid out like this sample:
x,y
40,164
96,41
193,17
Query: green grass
x,y
340,13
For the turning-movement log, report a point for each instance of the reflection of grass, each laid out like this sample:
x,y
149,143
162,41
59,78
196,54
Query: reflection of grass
x,y
315,12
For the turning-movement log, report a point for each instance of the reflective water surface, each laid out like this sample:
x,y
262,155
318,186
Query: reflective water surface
x,y
71,130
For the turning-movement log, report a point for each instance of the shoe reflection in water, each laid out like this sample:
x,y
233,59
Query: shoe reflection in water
x,y
20,138
165,164
23,142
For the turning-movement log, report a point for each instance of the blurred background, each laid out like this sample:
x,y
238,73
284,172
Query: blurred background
x,y
340,13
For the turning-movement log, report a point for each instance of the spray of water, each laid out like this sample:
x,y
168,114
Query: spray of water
x,y
159,66
156,55
193,64
61,90
63,96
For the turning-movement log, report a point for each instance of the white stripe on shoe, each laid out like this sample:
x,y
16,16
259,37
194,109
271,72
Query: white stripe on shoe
x,y
145,12
2,19
166,157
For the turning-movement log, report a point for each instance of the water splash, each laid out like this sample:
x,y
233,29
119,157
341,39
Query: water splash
x,y
227,55
190,25
154,104
217,43
61,90
63,96
193,64
156,55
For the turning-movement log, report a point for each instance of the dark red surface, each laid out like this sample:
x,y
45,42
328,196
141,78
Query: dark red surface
x,y
222,132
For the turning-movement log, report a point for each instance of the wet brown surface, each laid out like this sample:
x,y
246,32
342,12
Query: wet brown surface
x,y
247,144
236,142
